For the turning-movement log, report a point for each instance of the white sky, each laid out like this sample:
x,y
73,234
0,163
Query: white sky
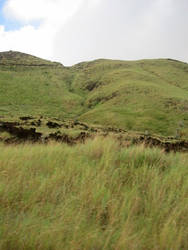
x,y
71,31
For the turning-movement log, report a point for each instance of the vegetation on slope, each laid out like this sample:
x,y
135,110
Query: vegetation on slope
x,y
36,90
135,95
143,95
92,196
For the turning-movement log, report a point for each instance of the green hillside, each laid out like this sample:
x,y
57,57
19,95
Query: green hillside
x,y
140,95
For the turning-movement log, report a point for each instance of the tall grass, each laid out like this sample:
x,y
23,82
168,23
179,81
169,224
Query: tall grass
x,y
92,196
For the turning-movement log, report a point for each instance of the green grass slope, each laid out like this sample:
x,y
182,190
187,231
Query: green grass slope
x,y
143,95
140,95
32,86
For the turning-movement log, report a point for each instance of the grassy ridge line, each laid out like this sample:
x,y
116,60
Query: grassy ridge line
x,y
92,196
23,59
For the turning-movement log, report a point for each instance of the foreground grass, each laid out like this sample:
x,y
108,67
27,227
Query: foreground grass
x,y
92,196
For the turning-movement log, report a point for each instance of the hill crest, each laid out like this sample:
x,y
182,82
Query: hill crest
x,y
23,59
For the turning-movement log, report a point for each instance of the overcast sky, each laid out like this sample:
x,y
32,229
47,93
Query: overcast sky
x,y
71,31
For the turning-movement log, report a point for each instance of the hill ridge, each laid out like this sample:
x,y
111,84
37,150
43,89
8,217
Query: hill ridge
x,y
16,54
17,58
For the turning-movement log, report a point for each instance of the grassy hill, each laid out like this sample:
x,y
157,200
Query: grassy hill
x,y
140,95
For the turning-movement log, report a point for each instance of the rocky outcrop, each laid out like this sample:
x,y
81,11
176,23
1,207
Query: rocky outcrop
x,y
20,133
26,130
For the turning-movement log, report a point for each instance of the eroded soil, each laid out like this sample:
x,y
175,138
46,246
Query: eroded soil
x,y
40,130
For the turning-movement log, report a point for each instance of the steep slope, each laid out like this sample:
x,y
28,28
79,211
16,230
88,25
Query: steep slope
x,y
140,95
